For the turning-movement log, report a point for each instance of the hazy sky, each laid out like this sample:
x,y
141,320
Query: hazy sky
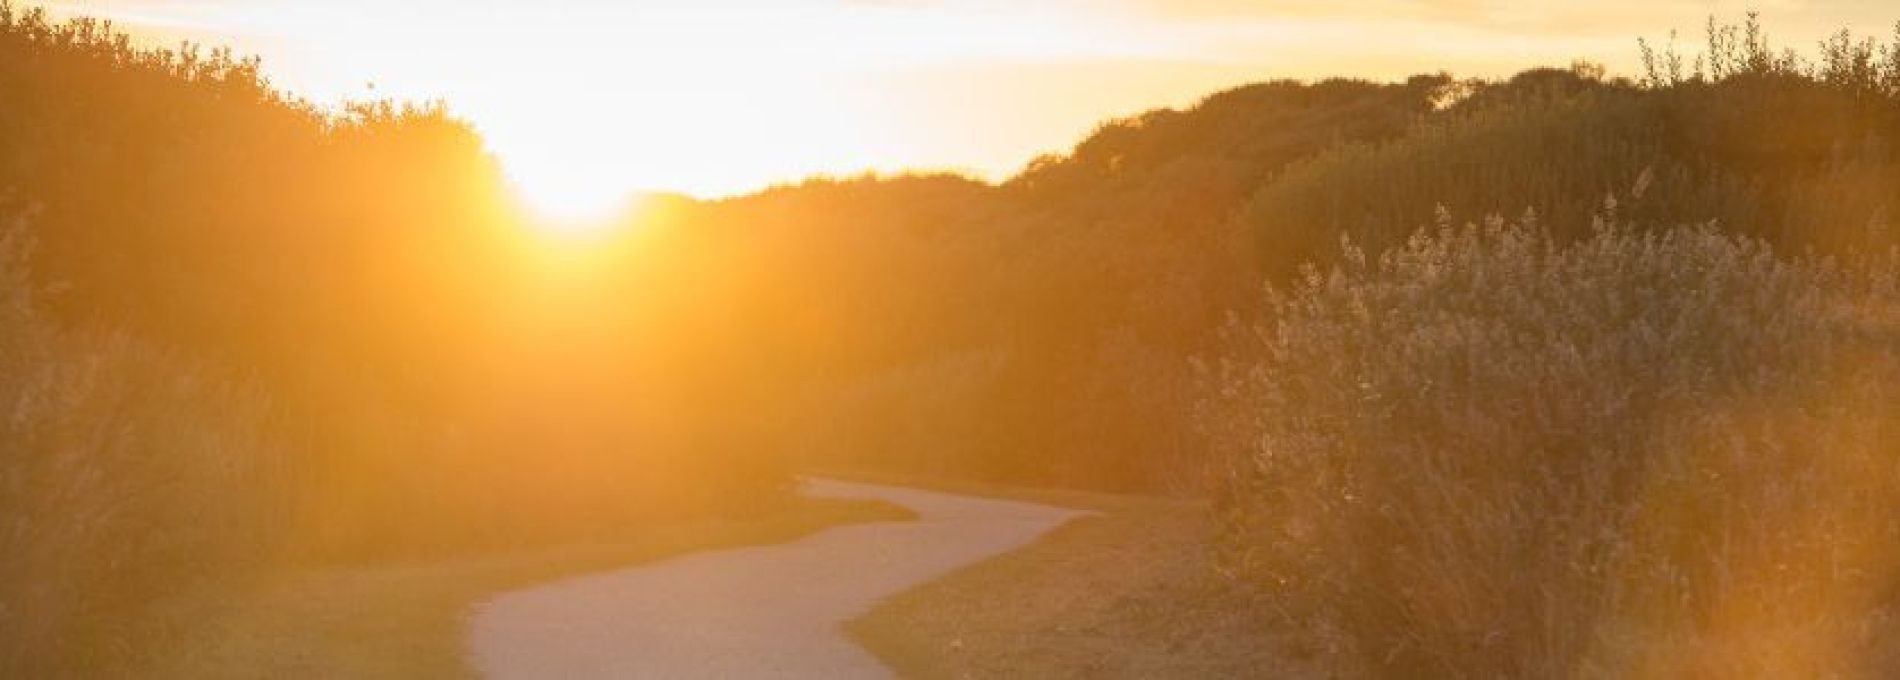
x,y
585,100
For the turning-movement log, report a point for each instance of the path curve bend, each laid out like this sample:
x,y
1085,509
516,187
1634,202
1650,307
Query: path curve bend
x,y
771,611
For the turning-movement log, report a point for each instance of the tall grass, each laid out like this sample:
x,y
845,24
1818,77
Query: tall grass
x,y
1648,454
124,479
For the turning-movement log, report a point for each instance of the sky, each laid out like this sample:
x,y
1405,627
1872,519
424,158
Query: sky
x,y
587,101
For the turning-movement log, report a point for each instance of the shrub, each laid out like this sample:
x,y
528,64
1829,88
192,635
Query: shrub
x,y
125,479
1652,454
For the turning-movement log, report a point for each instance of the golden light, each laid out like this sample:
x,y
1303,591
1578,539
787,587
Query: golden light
x,y
584,101
570,204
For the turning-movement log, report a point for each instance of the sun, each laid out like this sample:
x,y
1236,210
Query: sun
x,y
570,201
568,213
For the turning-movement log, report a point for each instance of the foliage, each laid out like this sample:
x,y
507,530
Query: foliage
x,y
1767,145
250,314
1030,331
1044,323
130,476
1490,454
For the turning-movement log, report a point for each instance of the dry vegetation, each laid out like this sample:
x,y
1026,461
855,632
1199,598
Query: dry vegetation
x,y
1492,454
1586,443
115,488
1037,331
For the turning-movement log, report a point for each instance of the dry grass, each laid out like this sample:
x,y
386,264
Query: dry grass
x,y
407,621
1126,593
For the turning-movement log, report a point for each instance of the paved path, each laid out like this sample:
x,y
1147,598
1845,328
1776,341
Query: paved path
x,y
760,612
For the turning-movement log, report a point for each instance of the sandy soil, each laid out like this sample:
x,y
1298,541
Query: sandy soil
x,y
760,612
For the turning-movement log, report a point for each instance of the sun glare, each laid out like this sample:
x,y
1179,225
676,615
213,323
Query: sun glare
x,y
570,206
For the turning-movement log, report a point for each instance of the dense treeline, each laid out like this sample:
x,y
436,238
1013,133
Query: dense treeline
x,y
1769,145
1041,329
1037,330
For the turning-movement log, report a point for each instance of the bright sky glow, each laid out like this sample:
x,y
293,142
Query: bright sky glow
x,y
586,101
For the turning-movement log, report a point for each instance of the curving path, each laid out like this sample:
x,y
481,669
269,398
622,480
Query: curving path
x,y
760,612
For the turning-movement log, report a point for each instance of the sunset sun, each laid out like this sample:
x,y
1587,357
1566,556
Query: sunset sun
x,y
568,202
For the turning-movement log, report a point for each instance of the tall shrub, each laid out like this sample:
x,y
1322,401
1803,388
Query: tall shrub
x,y
126,477
1654,454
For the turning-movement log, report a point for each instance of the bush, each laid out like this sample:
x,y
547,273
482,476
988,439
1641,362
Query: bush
x,y
1652,454
125,480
